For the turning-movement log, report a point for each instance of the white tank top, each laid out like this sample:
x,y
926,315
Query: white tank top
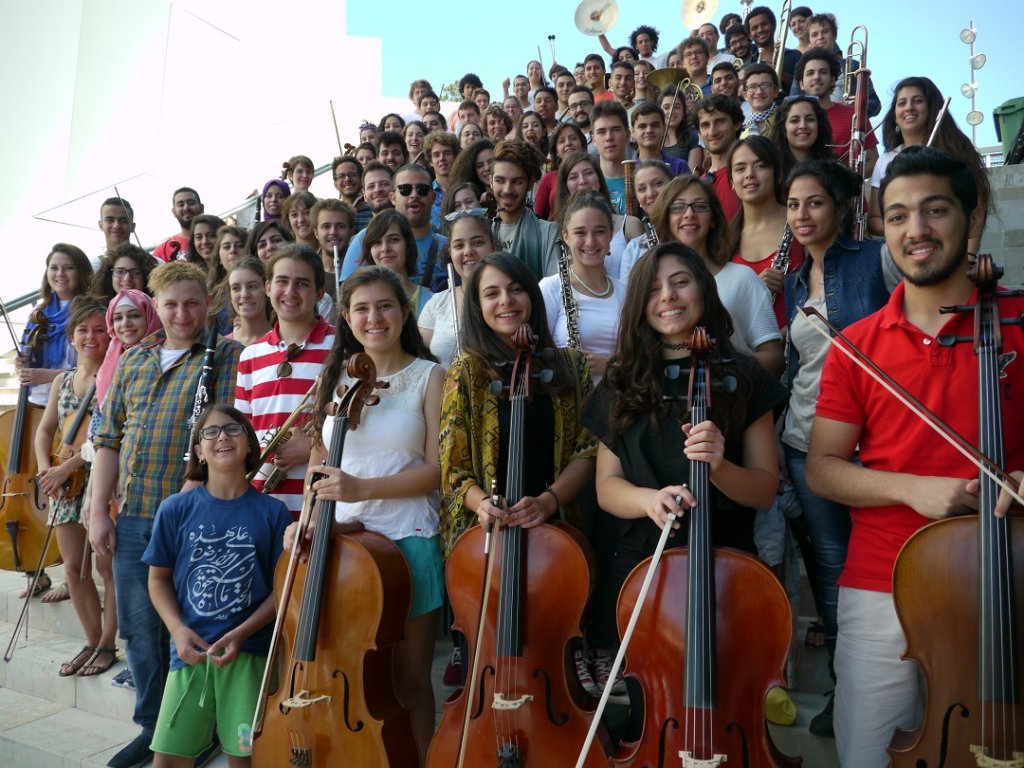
x,y
391,438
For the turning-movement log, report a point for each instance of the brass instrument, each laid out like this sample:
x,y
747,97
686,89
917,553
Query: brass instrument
x,y
667,77
780,43
697,12
628,169
855,91
782,258
278,437
595,17
569,306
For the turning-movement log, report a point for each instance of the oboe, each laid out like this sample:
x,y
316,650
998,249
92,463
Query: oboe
x,y
202,398
651,238
569,306
455,309
782,259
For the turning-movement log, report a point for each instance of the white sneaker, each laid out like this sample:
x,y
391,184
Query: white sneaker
x,y
583,673
603,661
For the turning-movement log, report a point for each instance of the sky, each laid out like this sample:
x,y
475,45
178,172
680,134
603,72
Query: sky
x,y
496,40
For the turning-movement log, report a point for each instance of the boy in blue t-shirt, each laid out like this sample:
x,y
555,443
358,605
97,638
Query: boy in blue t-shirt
x,y
211,578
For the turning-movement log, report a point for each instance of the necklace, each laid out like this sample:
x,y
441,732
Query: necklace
x,y
597,294
675,347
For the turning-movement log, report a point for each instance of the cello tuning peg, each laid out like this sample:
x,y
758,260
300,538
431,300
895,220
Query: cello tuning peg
x,y
672,372
951,339
725,384
497,387
544,375
547,355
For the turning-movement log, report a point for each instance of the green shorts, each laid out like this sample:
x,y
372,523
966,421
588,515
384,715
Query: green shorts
x,y
198,698
424,558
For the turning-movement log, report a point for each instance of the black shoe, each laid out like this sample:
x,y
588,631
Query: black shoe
x,y
135,754
209,753
821,723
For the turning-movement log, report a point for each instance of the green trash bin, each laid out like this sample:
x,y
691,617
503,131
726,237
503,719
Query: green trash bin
x,y
1008,116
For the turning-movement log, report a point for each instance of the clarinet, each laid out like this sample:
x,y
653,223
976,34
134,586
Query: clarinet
x,y
455,309
203,388
572,310
782,260
651,238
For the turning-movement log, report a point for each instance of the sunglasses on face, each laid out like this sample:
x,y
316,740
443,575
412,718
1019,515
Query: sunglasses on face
x,y
234,429
422,190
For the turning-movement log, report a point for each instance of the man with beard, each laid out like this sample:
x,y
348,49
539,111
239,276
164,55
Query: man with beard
x,y
817,72
334,224
724,80
738,42
517,167
391,150
412,196
929,202
719,121
348,180
185,205
564,83
623,82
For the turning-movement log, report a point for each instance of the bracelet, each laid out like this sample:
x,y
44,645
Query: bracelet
x,y
558,501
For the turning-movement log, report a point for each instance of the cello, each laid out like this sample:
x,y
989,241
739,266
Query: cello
x,y
966,640
713,635
518,597
335,702
25,543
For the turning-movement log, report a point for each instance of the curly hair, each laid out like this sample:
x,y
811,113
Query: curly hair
x,y
103,279
644,29
635,373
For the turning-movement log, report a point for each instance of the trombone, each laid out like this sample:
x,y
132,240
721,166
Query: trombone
x,y
780,43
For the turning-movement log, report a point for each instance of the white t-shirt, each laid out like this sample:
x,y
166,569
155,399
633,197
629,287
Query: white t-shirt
x,y
749,304
436,317
598,318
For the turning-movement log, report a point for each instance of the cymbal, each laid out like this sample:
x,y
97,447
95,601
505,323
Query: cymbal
x,y
595,17
666,77
697,12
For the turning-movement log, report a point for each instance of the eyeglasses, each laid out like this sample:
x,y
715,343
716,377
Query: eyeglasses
x,y
422,190
698,206
476,213
284,370
346,175
120,272
763,87
581,105
234,429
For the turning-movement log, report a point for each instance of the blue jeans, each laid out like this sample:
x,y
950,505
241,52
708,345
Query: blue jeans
x,y
147,643
828,524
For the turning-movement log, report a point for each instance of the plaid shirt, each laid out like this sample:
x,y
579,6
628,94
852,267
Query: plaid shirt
x,y
146,413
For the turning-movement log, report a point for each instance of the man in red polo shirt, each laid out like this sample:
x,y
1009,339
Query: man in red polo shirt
x,y
817,72
906,477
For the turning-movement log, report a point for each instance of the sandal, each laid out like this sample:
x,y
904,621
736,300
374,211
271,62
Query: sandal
x,y
815,637
57,594
84,657
43,583
92,668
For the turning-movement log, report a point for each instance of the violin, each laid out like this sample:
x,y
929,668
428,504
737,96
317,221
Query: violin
x,y
966,638
332,649
518,596
711,639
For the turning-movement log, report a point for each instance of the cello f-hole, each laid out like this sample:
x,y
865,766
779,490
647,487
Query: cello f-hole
x,y
345,706
561,719
479,708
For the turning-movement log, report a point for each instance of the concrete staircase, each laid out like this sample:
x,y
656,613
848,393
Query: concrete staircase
x,y
48,721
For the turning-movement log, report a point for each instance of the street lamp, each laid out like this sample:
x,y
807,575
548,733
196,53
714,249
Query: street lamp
x,y
970,89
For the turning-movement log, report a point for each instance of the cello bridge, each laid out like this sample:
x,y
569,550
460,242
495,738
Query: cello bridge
x,y
689,761
984,760
502,704
302,699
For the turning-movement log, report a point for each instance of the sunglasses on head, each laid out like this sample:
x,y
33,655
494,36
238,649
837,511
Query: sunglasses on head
x,y
422,190
476,213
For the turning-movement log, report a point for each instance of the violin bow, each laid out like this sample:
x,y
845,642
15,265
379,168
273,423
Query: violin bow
x,y
595,721
1000,476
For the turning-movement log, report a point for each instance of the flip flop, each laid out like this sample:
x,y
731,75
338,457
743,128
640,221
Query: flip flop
x,y
92,668
72,667
42,584
57,594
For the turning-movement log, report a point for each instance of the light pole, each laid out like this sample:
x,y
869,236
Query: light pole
x,y
970,89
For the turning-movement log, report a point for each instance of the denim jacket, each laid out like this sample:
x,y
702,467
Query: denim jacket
x,y
854,288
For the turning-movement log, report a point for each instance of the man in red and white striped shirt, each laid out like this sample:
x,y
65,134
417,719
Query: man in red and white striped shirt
x,y
276,371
